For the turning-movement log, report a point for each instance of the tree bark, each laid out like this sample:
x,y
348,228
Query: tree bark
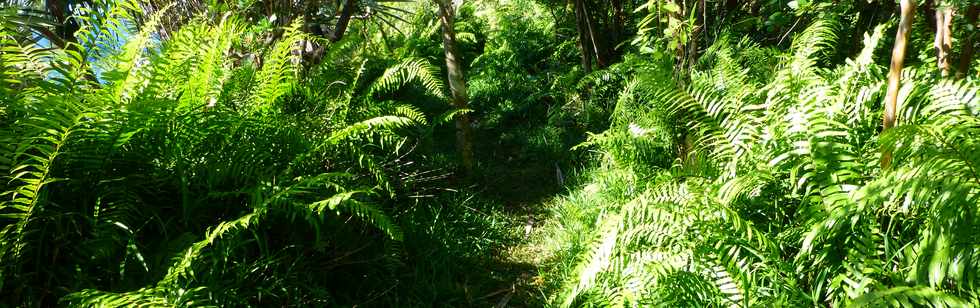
x,y
680,52
343,21
457,84
967,56
61,13
943,42
895,72
597,51
700,7
585,40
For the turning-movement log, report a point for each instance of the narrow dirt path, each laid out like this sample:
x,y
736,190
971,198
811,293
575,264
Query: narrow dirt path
x,y
523,261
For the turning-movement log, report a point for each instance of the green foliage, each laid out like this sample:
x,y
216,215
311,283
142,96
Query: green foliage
x,y
718,156
780,201
174,181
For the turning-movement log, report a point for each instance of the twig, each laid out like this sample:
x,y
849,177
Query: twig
x,y
789,31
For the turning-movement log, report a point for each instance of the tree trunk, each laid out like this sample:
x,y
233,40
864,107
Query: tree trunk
x,y
943,42
457,84
700,8
585,39
680,53
895,72
682,140
967,56
948,14
343,21
597,50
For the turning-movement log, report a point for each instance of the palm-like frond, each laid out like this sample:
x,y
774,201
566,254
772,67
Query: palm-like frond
x,y
407,71
278,70
36,149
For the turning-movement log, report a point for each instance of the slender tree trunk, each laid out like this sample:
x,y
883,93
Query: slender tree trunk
x,y
457,84
968,41
596,50
682,139
944,40
895,72
343,21
585,41
65,25
948,14
680,54
699,29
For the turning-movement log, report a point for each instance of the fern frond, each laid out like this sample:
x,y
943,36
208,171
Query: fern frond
x,y
407,71
909,297
33,168
146,297
279,69
370,126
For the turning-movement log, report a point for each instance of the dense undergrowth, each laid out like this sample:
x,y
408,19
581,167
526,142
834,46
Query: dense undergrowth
x,y
781,199
182,153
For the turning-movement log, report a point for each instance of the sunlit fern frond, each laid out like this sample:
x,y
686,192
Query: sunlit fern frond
x,y
42,140
211,66
744,186
102,23
812,44
408,71
279,69
950,99
594,263
410,112
23,65
799,72
128,72
904,296
676,230
372,125
938,185
932,186
146,297
863,76
722,127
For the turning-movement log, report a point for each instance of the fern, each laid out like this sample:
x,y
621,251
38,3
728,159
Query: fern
x,y
278,70
799,213
408,70
46,134
143,297
909,296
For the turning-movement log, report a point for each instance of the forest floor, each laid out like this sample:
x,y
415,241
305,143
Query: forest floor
x,y
526,190
518,265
